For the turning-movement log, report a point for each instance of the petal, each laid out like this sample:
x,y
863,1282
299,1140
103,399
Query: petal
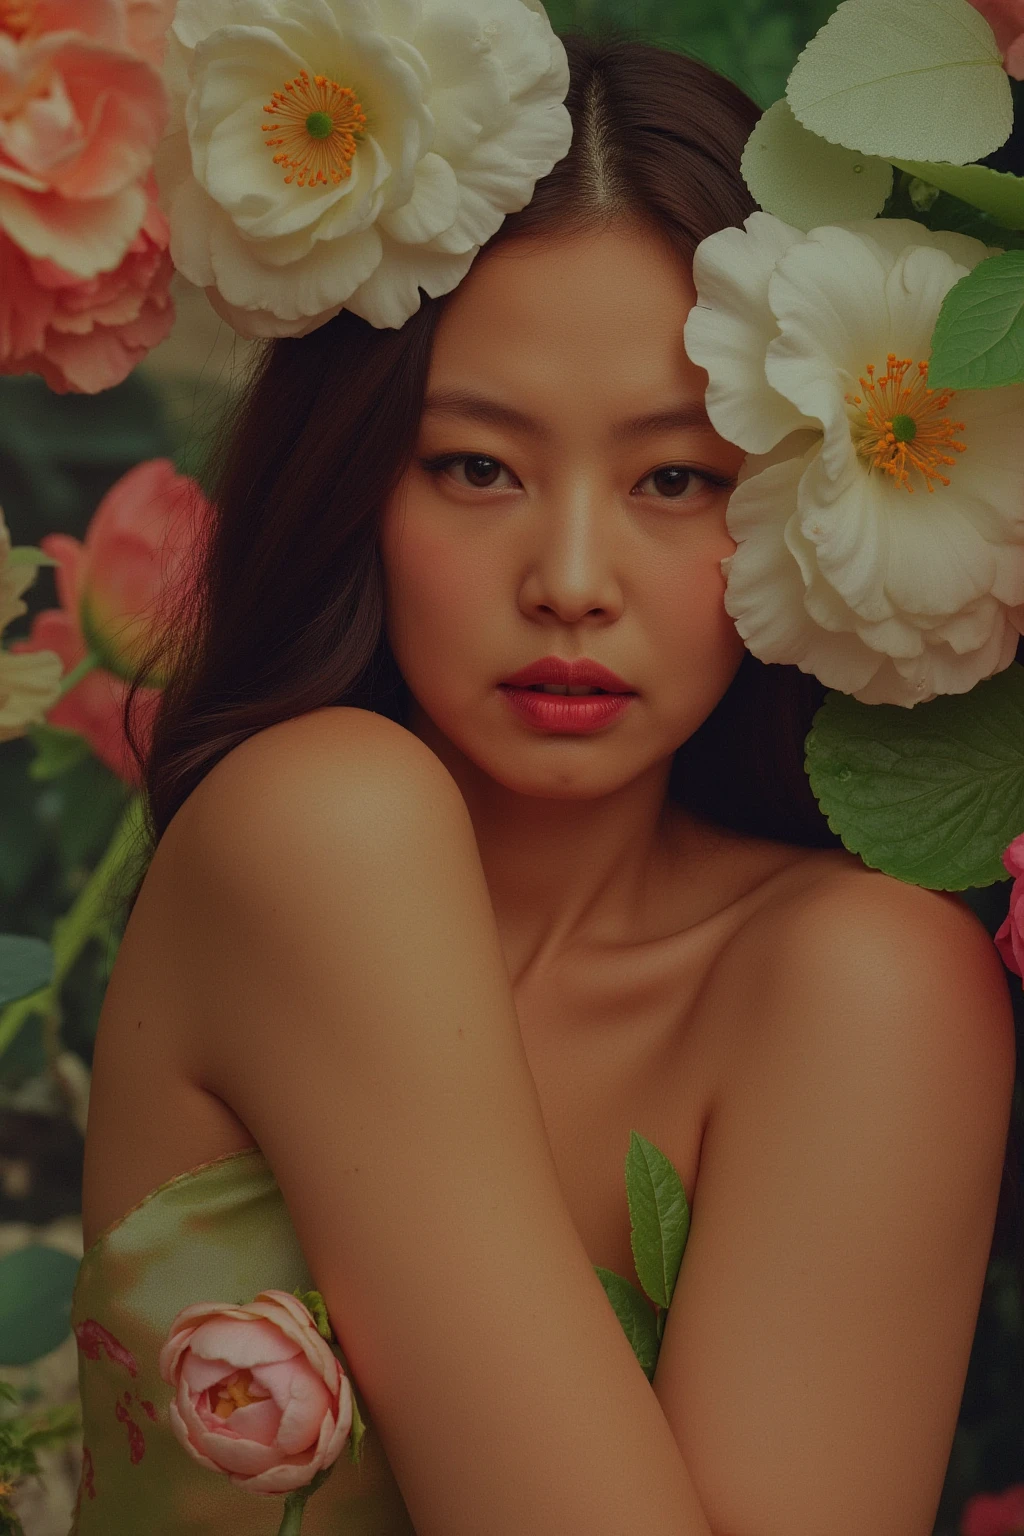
x,y
259,1421
322,280
225,1450
303,1400
391,294
245,1342
729,329
199,1374
433,206
84,236
765,589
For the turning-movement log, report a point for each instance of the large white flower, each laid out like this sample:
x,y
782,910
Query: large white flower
x,y
331,154
29,683
879,523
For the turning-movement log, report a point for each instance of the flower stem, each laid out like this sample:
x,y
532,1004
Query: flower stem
x,y
70,679
87,919
295,1504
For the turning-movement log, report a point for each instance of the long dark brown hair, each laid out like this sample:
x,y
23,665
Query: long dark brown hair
x,y
285,609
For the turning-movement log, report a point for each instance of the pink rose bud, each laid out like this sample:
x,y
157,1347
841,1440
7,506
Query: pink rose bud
x,y
258,1393
995,1514
1006,18
1010,938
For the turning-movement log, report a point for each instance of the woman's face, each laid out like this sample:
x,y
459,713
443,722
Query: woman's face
x,y
566,498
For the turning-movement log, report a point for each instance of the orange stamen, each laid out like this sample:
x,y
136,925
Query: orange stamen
x,y
234,1393
316,130
900,426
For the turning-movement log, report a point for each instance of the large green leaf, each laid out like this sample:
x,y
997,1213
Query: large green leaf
x,y
26,964
36,1284
978,341
997,193
807,181
933,795
923,78
636,1317
659,1217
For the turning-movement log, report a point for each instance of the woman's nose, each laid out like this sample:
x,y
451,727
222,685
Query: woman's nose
x,y
572,566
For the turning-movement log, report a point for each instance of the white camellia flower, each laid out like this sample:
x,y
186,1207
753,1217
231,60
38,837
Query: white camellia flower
x,y
30,682
879,523
330,154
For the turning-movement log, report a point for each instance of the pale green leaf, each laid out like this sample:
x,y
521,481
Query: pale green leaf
x,y
997,193
978,341
922,79
636,1317
807,181
27,554
659,1217
933,795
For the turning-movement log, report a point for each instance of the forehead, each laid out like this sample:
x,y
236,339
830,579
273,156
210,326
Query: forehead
x,y
596,314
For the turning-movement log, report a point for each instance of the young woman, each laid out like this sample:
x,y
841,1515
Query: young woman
x,y
417,950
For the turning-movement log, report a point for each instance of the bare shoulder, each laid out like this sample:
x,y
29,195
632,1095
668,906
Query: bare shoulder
x,y
834,929
334,753
844,1207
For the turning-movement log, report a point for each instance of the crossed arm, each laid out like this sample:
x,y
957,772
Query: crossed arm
x,y
357,1015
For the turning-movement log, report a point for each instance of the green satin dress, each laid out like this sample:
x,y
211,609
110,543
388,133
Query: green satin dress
x,y
218,1233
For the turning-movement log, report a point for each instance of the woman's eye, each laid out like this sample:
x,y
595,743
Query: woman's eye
x,y
473,471
678,483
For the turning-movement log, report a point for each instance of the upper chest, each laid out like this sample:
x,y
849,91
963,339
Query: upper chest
x,y
626,1043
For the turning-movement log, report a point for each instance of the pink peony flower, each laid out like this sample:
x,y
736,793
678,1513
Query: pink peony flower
x,y
1006,18
138,546
1010,937
86,334
80,117
995,1514
258,1393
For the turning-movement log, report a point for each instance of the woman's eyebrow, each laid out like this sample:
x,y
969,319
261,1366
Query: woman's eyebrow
x,y
459,402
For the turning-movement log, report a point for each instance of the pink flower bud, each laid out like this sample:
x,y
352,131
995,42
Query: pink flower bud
x,y
259,1395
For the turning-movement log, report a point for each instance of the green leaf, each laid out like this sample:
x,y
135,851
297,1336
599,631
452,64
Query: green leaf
x,y
806,181
56,751
978,341
317,1308
1000,194
933,795
27,554
923,78
36,1284
659,1217
636,1317
26,964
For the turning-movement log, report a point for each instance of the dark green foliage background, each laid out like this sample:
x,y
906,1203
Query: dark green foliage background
x,y
58,455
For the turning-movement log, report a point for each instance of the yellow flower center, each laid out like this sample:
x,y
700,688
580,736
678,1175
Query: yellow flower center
x,y
899,426
234,1393
316,129
16,16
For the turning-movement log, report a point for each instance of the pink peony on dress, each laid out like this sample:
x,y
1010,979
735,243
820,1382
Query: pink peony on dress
x,y
218,1233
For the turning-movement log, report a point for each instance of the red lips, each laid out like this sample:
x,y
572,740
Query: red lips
x,y
574,674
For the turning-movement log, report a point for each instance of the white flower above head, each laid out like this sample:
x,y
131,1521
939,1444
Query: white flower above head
x,y
330,154
879,523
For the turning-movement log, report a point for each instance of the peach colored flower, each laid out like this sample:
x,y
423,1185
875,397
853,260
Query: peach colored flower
x,y
86,334
80,117
995,1514
111,589
1010,944
1006,18
258,1393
